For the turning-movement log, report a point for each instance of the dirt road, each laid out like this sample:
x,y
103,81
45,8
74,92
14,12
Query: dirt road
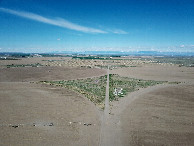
x,y
107,110
159,116
164,106
110,130
104,124
35,114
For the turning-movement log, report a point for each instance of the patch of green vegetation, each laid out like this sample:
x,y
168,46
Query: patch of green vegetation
x,y
93,88
181,61
52,55
53,60
120,86
113,66
117,66
102,66
19,55
24,65
174,82
91,57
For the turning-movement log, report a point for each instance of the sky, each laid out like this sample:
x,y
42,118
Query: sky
x,y
96,25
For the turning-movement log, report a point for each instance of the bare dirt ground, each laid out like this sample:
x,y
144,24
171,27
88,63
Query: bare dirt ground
x,y
26,105
160,117
41,60
158,72
25,74
35,114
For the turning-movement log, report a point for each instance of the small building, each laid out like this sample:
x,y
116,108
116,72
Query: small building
x,y
118,91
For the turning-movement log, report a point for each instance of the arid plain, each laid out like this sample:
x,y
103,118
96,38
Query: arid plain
x,y
33,113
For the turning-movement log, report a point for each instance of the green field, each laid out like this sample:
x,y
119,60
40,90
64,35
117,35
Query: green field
x,y
120,86
93,88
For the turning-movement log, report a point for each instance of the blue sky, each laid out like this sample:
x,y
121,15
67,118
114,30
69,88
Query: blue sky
x,y
101,25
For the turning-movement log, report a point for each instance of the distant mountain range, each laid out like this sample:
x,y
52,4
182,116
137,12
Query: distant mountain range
x,y
132,53
117,53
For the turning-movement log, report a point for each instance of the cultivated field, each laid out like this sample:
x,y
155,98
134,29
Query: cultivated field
x,y
60,101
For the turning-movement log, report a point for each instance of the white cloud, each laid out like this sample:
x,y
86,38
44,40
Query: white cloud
x,y
58,39
57,21
119,31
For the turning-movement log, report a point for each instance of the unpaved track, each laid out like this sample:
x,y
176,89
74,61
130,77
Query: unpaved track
x,y
159,116
104,124
122,122
110,130
106,111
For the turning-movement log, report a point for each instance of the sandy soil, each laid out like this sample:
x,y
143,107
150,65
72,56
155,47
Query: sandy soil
x,y
25,74
35,114
160,117
34,60
26,104
158,72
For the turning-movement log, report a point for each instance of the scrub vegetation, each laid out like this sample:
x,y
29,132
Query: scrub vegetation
x,y
93,88
120,86
24,65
